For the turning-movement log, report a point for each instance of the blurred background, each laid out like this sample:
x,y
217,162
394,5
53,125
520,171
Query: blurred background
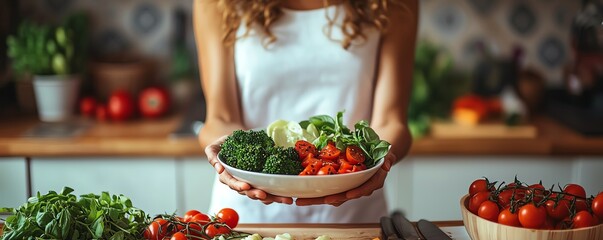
x,y
512,80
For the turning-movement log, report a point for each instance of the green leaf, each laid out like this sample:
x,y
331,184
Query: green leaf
x,y
98,227
65,191
43,218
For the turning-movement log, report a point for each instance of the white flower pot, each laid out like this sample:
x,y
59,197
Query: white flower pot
x,y
56,96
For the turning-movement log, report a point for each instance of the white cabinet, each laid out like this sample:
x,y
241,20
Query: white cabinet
x,y
149,182
195,180
13,182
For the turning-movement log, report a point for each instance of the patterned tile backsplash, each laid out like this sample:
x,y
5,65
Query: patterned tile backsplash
x,y
540,27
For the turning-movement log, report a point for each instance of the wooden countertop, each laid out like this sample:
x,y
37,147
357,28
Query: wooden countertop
x,y
152,138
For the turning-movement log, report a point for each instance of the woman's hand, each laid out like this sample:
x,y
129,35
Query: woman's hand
x,y
242,188
366,189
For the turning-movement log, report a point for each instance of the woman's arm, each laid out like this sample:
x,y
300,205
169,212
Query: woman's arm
x,y
391,97
221,95
218,79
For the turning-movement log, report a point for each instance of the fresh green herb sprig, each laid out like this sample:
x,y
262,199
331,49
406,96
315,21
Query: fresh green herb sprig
x,y
64,216
335,130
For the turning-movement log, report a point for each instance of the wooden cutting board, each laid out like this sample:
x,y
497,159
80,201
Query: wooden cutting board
x,y
312,231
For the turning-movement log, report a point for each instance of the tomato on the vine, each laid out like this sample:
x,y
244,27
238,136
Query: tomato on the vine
x,y
597,206
479,185
531,216
216,229
477,200
228,216
505,197
190,214
584,219
488,210
537,191
200,218
157,230
575,189
506,217
557,211
178,236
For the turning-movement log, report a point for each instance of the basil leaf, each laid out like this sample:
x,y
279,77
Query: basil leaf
x,y
304,124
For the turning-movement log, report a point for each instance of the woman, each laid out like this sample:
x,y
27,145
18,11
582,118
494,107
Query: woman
x,y
263,60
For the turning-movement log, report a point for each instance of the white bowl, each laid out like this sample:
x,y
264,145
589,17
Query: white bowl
x,y
303,186
482,229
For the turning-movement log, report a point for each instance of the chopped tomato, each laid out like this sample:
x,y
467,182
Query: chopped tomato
x,y
303,148
354,154
309,159
358,167
312,168
326,170
344,166
329,152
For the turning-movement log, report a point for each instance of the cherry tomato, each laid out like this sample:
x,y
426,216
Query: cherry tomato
x,y
575,189
584,219
597,206
303,148
557,211
157,230
344,166
506,217
531,216
88,106
566,223
479,185
101,112
228,216
477,200
358,167
120,105
580,205
505,197
549,224
309,159
200,218
312,168
329,152
354,154
489,211
194,229
326,170
216,229
178,236
190,214
154,102
538,190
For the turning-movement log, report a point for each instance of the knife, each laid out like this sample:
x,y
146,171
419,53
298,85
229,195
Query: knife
x,y
388,232
404,227
430,231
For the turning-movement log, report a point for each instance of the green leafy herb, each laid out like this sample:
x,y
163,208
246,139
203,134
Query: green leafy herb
x,y
64,216
335,130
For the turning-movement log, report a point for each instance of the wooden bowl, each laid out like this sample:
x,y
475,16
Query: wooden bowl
x,y
482,229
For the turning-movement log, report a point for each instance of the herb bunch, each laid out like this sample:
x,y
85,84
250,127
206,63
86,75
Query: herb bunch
x,y
335,130
64,216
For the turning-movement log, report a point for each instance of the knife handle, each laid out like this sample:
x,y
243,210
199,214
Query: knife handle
x,y
388,230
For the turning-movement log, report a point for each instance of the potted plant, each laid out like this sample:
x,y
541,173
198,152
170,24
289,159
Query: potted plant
x,y
53,56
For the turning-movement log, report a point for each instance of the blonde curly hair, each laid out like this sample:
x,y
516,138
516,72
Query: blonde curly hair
x,y
359,13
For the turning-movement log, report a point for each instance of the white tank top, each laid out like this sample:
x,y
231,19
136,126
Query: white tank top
x,y
304,73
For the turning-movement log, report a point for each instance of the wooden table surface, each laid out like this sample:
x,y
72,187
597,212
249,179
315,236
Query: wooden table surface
x,y
152,138
311,231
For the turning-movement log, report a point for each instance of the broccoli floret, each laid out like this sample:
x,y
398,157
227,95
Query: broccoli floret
x,y
283,161
247,150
